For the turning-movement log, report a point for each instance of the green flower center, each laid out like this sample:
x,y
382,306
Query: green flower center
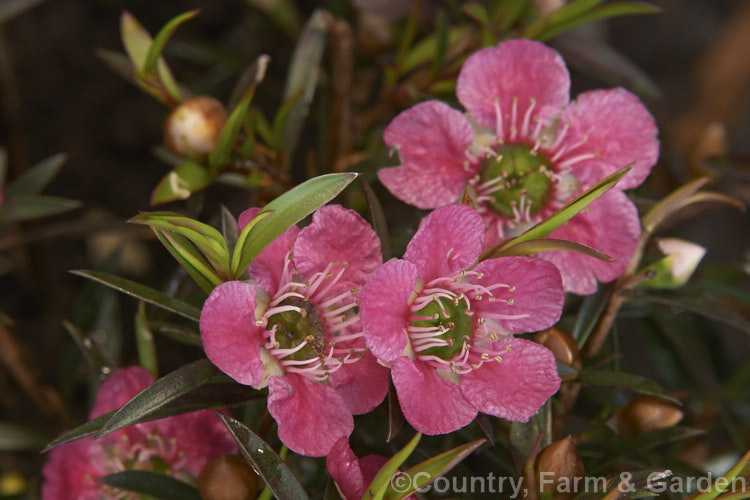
x,y
516,182
444,334
292,327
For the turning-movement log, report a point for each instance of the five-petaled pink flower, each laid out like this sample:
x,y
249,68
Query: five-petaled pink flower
x,y
445,325
530,152
184,444
296,329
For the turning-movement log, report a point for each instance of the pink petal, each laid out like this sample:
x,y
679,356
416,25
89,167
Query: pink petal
x,y
534,287
199,437
611,225
363,384
517,386
448,240
119,388
267,267
521,70
430,403
432,140
71,472
618,129
384,308
231,338
370,465
337,235
344,468
311,416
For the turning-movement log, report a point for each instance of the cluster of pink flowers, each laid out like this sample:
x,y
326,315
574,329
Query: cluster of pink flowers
x,y
183,444
525,150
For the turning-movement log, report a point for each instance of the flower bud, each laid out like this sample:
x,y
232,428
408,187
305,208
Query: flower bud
x,y
192,129
545,7
643,414
560,469
227,477
675,269
562,344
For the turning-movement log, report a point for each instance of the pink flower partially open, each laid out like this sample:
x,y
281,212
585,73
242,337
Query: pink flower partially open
x,y
296,329
530,152
445,324
184,443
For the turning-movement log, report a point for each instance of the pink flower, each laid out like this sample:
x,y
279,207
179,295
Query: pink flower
x,y
445,324
296,329
529,152
184,443
353,475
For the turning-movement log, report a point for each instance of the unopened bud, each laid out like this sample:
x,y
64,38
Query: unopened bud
x,y
675,269
227,477
192,129
563,346
560,469
643,414
545,7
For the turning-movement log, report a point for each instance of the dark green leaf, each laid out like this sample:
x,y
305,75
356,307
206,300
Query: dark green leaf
x,y
153,484
477,12
378,219
570,11
442,34
229,229
395,415
277,476
26,207
178,333
99,360
622,380
589,313
565,213
143,292
427,471
303,76
34,180
285,211
194,263
522,437
183,181
508,12
382,480
144,341
531,247
156,48
613,9
119,63
87,429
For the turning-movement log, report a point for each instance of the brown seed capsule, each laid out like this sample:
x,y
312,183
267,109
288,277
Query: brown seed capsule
x,y
227,478
560,470
192,129
562,345
643,414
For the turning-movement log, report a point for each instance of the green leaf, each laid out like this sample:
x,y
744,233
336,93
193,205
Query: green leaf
x,y
14,437
271,468
622,380
220,153
176,332
531,247
229,229
570,11
477,12
522,437
183,181
382,480
613,9
119,63
33,206
508,13
564,214
303,77
150,483
589,313
205,238
144,341
156,48
378,219
427,471
740,469
427,50
162,392
285,211
143,292
194,263
442,34
87,429
34,180
99,360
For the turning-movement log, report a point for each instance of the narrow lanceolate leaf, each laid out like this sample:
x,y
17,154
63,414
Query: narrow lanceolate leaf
x,y
629,381
194,263
205,238
286,210
427,471
531,247
162,392
143,292
222,150
271,468
566,13
613,9
378,219
183,181
34,180
13,437
144,341
152,484
382,480
156,48
303,76
34,206
117,62
564,214
229,229
87,429
740,469
671,204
